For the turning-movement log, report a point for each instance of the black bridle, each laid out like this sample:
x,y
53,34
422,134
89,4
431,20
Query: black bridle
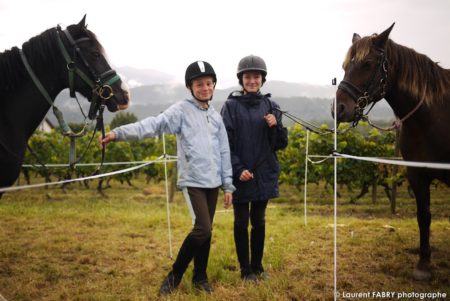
x,y
101,86
373,88
101,90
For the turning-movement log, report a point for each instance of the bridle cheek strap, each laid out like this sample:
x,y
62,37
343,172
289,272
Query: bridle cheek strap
x,y
364,98
101,85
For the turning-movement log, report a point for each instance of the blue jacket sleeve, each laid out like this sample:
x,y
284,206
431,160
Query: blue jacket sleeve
x,y
168,122
238,167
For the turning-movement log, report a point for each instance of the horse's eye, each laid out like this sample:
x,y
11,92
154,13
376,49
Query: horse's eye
x,y
366,65
96,54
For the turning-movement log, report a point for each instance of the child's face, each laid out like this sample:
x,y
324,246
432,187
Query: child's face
x,y
203,88
252,81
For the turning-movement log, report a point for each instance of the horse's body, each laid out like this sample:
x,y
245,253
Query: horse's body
x,y
418,91
23,106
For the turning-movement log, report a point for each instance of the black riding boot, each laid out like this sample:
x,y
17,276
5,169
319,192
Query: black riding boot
x,y
187,251
201,262
241,241
257,248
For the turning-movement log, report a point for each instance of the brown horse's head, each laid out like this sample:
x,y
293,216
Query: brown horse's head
x,y
365,78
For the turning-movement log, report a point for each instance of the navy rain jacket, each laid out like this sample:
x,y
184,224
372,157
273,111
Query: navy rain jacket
x,y
253,144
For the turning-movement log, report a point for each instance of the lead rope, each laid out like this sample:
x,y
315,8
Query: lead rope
x,y
397,124
101,126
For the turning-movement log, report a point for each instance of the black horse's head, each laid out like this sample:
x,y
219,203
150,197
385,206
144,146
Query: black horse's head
x,y
366,76
93,77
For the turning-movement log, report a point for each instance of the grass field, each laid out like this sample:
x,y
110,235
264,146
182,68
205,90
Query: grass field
x,y
78,245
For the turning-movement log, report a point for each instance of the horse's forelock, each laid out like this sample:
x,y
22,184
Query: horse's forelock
x,y
78,32
358,51
94,39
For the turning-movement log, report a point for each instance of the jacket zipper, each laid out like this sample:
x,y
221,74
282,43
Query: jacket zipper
x,y
209,141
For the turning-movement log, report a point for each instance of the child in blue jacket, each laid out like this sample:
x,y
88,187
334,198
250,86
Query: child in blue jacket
x,y
203,166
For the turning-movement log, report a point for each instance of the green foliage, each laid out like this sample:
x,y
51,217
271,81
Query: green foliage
x,y
53,148
355,175
122,118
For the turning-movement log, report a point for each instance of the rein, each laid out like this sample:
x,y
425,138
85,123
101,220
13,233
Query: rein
x,y
307,125
101,88
397,124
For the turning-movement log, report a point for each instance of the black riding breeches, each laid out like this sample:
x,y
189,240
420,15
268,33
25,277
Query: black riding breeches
x,y
202,205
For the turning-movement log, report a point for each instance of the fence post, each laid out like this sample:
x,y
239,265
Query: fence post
x,y
167,196
306,172
393,199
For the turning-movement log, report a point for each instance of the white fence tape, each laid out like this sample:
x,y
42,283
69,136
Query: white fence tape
x,y
158,160
431,165
169,157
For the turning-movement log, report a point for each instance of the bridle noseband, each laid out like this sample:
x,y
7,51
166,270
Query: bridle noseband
x,y
373,87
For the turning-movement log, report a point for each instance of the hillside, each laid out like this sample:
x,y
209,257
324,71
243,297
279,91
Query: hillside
x,y
153,91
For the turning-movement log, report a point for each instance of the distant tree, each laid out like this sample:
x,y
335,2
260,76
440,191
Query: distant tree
x,y
122,118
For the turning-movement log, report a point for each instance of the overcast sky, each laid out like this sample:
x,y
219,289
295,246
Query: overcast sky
x,y
301,41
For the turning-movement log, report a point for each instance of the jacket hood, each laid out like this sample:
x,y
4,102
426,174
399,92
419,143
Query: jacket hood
x,y
249,98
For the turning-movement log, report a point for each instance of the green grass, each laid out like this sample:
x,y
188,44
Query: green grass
x,y
81,246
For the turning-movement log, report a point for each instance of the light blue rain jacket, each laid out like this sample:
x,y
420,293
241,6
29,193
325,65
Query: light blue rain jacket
x,y
202,143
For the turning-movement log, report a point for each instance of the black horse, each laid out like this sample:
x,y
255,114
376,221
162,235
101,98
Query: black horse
x,y
32,77
418,91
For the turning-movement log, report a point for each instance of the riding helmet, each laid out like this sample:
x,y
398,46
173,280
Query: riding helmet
x,y
197,69
251,63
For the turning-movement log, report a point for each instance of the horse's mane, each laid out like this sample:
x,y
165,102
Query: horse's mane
x,y
11,70
39,49
417,74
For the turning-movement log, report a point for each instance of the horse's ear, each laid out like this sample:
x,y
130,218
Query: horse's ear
x,y
380,40
356,37
83,22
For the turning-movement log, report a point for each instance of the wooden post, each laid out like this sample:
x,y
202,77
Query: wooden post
x,y
173,183
374,191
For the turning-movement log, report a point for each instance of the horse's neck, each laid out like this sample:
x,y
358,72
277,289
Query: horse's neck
x,y
35,102
404,104
22,113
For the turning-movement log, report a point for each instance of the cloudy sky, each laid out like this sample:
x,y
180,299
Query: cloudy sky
x,y
301,41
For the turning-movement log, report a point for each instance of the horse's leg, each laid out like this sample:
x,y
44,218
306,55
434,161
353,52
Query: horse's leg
x,y
9,168
421,188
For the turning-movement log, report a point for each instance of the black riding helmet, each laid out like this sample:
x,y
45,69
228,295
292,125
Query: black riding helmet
x,y
198,69
251,63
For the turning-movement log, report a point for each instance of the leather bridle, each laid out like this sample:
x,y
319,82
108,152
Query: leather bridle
x,y
374,87
99,83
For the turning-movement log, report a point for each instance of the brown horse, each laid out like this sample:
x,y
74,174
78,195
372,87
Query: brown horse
x,y
418,91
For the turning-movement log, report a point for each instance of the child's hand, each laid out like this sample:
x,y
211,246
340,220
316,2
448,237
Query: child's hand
x,y
110,136
246,176
271,120
228,200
